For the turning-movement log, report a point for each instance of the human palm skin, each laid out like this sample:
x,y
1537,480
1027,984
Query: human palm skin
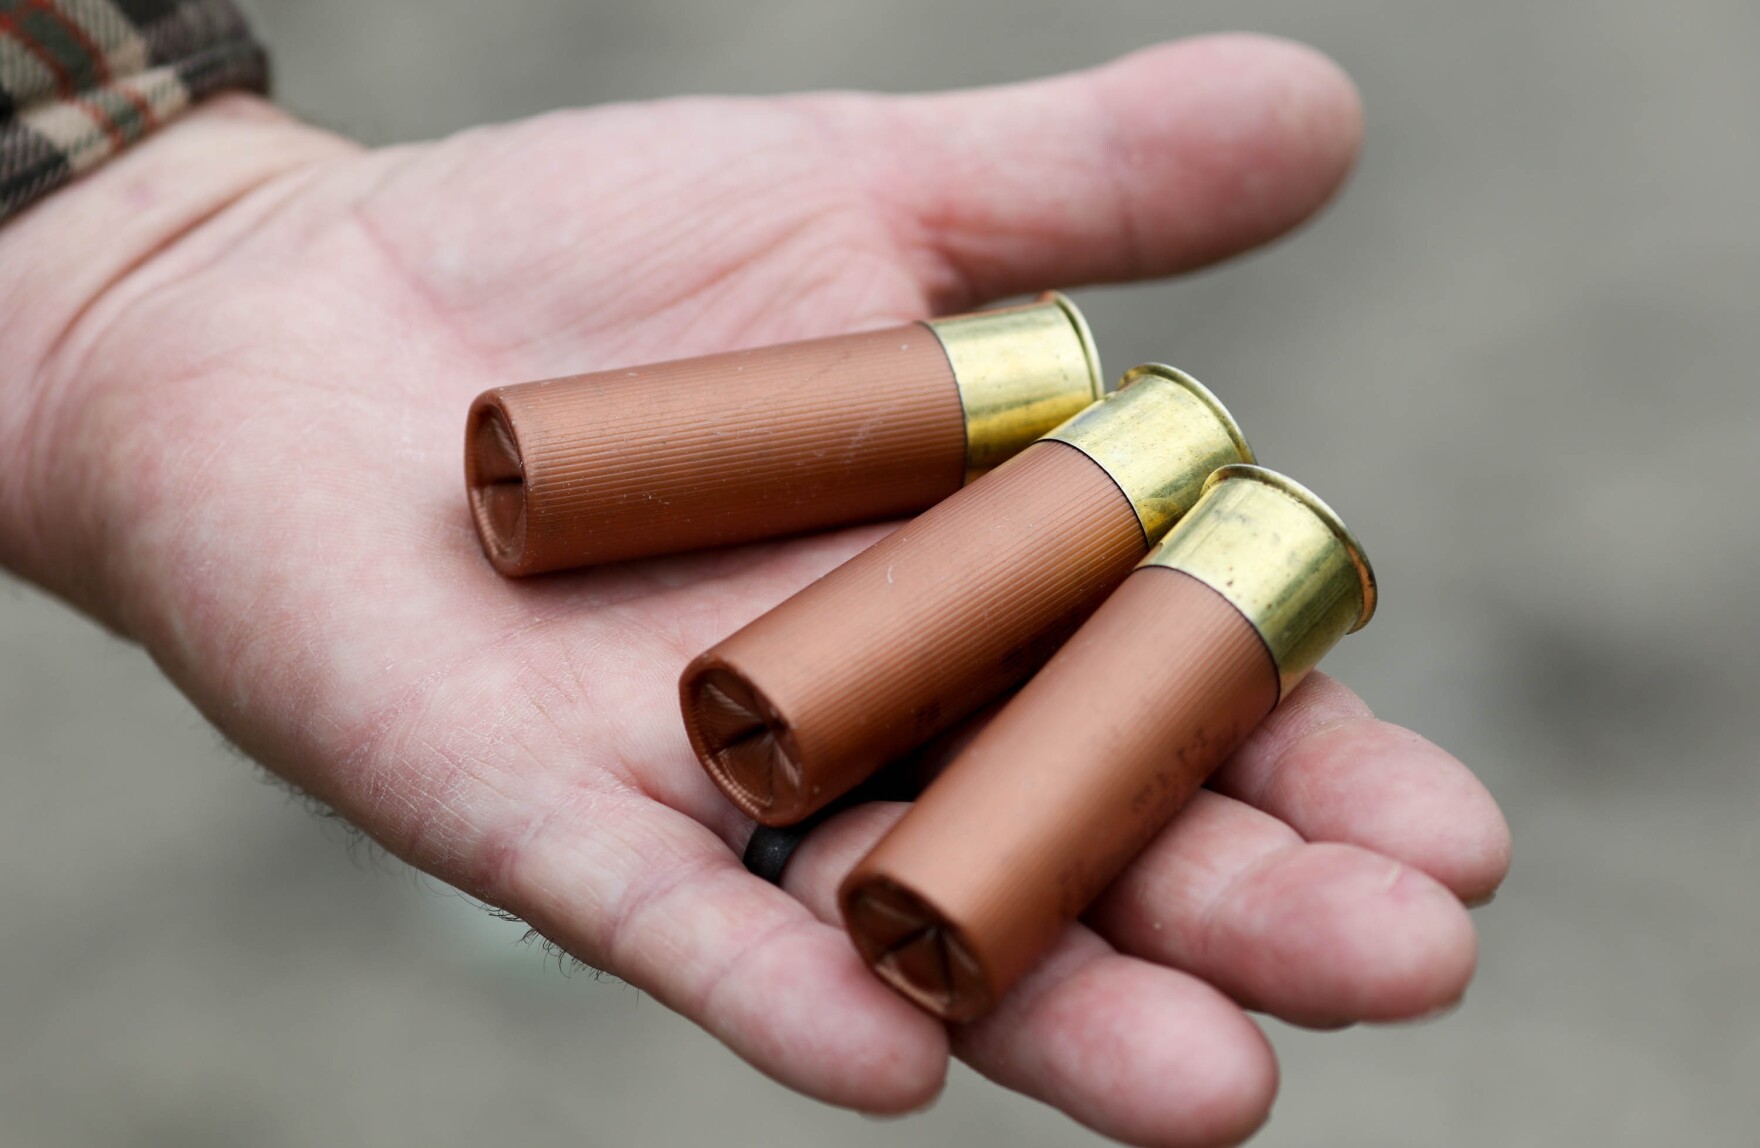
x,y
236,370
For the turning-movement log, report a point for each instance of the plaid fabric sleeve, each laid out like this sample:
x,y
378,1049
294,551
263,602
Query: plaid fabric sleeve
x,y
82,79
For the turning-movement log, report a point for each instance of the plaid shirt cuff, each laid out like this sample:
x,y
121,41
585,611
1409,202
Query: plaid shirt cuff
x,y
82,79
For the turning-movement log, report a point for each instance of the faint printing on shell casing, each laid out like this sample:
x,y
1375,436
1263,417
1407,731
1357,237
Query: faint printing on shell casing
x,y
1080,770
955,607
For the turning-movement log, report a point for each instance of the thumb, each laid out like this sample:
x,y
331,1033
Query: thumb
x,y
1158,162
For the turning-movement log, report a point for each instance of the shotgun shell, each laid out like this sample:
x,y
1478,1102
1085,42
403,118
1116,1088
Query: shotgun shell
x,y
754,444
953,608
1103,747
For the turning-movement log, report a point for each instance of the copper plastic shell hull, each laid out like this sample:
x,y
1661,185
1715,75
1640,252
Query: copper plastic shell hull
x,y
909,636
1075,775
752,444
1058,793
954,608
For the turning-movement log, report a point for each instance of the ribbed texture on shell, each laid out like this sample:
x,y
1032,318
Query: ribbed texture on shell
x,y
912,634
1057,794
714,451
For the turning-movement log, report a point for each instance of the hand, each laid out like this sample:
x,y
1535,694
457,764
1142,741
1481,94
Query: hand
x,y
240,360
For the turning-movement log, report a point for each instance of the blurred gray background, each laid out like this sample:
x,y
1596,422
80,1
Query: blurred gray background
x,y
1519,354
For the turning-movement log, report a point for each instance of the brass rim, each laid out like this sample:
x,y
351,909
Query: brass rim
x,y
1090,349
1284,484
1203,394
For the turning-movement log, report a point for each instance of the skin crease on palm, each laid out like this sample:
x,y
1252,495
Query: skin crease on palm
x,y
238,359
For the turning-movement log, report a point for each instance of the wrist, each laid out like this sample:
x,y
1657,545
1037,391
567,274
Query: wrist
x,y
73,263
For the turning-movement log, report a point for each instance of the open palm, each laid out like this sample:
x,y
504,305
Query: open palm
x,y
256,471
